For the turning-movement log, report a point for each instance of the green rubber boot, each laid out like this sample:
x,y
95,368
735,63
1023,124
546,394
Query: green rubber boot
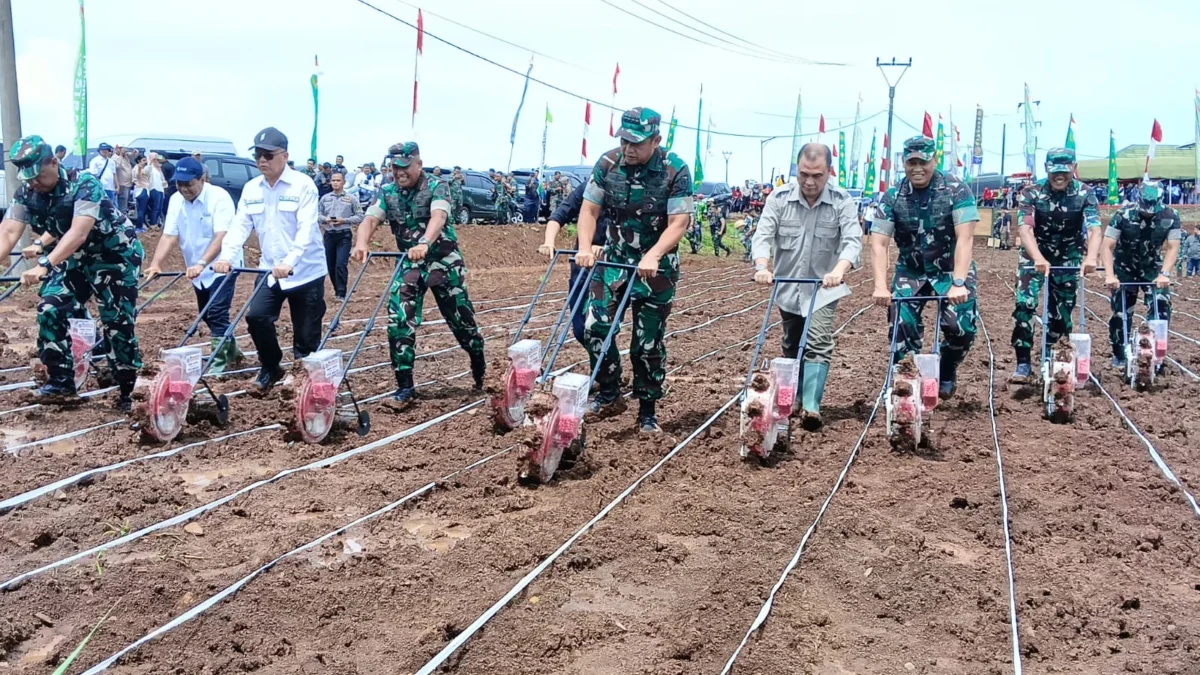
x,y
813,385
230,355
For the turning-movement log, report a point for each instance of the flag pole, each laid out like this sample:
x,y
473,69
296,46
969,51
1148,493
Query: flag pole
x,y
416,65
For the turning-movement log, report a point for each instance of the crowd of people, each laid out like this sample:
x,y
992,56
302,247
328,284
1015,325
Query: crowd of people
x,y
631,214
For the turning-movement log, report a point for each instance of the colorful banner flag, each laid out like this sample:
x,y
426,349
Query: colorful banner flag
x,y
1070,144
81,90
1196,147
1030,136
417,63
841,159
1155,139
545,134
587,126
612,108
869,185
927,126
795,140
671,130
1113,197
977,149
698,170
884,163
312,148
941,145
856,145
512,136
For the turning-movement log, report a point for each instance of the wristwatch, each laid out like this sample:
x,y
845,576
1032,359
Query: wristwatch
x,y
423,241
959,283
758,267
44,261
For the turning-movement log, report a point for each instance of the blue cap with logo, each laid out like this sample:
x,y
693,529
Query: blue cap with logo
x,y
188,169
104,146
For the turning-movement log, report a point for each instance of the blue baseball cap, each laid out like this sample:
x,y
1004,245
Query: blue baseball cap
x,y
188,169
104,146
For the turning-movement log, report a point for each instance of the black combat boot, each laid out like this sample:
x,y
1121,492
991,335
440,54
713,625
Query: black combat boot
x,y
406,391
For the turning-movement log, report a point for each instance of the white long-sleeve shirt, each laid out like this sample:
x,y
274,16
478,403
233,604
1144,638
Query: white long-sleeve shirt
x,y
196,223
104,168
285,218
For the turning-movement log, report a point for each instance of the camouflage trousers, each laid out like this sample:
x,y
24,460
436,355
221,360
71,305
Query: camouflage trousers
x,y
651,301
1118,328
112,278
455,207
717,239
1064,291
555,200
501,204
957,321
446,277
695,237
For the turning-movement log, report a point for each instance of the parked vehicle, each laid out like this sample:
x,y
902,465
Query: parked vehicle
x,y
719,192
478,204
225,171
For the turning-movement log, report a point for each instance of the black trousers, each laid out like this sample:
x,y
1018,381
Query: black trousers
x,y
307,306
337,259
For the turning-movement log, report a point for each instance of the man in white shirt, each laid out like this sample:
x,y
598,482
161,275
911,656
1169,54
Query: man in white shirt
x,y
104,167
281,207
198,216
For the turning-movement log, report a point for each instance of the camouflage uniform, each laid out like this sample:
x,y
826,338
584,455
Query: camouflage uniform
x,y
638,200
716,227
407,211
1141,236
747,235
1060,222
922,224
556,193
456,197
500,199
695,233
106,265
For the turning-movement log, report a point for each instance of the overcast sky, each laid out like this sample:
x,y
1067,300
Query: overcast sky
x,y
231,67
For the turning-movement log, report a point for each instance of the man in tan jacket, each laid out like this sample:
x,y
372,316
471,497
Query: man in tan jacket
x,y
811,229
123,177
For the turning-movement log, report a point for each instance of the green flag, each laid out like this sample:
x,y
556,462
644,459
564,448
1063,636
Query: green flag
x,y
1113,199
1070,144
698,171
842,159
81,124
312,150
671,130
941,146
869,187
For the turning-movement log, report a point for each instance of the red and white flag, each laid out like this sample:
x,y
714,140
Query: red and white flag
x,y
821,131
417,63
587,125
834,164
927,128
1155,139
613,107
884,164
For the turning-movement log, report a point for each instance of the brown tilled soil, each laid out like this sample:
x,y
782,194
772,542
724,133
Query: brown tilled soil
x,y
906,572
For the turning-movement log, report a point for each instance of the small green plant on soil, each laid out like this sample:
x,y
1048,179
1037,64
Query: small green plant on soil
x,y
117,530
62,668
100,564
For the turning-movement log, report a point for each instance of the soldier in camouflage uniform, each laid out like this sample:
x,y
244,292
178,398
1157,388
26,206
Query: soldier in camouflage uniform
x,y
695,231
95,252
1057,220
556,192
931,216
716,228
499,197
416,206
646,193
456,195
1149,235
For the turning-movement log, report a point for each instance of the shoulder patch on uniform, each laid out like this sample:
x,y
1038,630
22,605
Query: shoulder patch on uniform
x,y
675,161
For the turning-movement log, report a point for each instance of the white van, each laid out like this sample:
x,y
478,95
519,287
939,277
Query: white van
x,y
187,144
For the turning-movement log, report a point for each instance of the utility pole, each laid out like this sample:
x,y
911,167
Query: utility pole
x,y
10,107
727,154
761,147
887,175
1003,141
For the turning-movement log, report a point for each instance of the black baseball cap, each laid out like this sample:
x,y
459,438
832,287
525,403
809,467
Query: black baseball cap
x,y
271,140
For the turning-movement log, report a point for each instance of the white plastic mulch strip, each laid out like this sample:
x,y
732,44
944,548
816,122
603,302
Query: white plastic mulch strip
x,y
62,437
478,623
205,508
766,607
237,585
71,480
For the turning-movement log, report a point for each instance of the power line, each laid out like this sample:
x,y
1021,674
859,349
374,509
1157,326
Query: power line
x,y
719,38
572,94
696,40
743,40
496,38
